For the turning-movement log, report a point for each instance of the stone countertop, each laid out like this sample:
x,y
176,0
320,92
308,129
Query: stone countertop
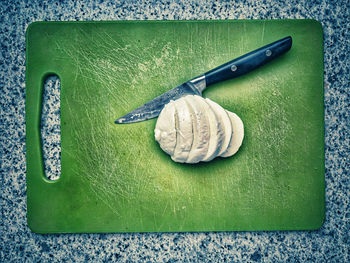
x,y
328,244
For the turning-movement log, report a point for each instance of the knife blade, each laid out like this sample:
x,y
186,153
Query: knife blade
x,y
229,70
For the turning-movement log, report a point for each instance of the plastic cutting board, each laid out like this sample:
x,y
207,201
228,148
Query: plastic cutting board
x,y
115,178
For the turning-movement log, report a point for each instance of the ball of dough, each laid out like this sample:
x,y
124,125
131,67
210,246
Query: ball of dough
x,y
192,129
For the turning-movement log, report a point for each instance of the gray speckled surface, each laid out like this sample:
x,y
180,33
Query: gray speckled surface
x,y
330,243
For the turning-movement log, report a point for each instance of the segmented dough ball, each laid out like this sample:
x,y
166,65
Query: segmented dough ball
x,y
192,129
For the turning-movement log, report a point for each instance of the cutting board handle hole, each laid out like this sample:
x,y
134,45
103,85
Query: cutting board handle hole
x,y
50,127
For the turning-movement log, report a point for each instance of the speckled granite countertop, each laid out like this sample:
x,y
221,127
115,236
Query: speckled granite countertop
x,y
328,244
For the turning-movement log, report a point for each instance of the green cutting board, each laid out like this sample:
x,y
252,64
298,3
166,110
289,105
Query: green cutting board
x,y
115,178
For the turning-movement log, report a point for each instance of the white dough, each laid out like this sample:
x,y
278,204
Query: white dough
x,y
184,131
165,131
217,133
192,129
226,125
201,132
237,135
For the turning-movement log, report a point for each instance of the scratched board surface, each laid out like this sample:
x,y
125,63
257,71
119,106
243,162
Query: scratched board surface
x,y
115,178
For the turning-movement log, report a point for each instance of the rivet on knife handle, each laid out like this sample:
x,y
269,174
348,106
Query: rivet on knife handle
x,y
248,62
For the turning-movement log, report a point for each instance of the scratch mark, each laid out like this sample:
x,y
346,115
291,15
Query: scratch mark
x,y
263,33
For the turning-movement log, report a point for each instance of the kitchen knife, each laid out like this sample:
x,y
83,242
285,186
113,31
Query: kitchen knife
x,y
229,70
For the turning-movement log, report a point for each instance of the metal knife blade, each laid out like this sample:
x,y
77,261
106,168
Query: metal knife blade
x,y
229,70
152,108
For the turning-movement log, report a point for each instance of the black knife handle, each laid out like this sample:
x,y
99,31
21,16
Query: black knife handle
x,y
248,62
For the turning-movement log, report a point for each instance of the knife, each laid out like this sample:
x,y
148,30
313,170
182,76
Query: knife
x,y
229,70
